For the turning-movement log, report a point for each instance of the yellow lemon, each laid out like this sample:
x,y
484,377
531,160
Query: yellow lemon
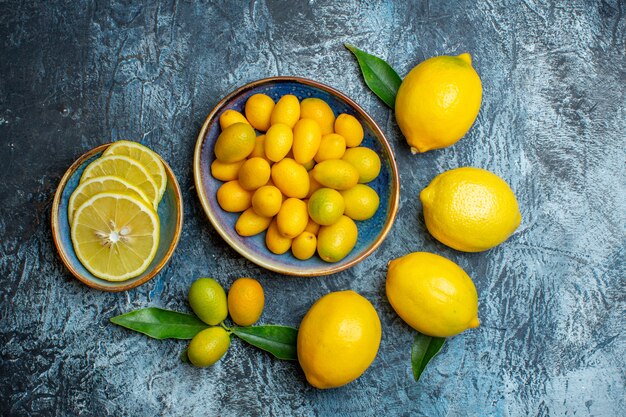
x,y
258,110
254,173
208,346
225,171
350,129
336,173
230,117
266,200
245,301
307,136
276,242
438,102
313,185
232,197
207,299
278,142
304,245
338,339
326,206
259,148
366,162
332,146
249,223
286,111
292,217
361,202
432,294
309,165
318,110
312,227
235,143
470,209
335,242
291,178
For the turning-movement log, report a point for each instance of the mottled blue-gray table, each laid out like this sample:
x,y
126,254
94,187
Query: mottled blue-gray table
x,y
74,75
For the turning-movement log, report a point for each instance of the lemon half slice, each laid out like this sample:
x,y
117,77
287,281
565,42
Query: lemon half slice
x,y
127,169
146,157
97,185
115,235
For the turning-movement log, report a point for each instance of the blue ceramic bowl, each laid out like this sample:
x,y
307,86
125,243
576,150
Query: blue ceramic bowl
x,y
371,232
170,212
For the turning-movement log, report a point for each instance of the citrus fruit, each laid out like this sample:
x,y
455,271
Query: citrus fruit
x,y
304,245
338,339
266,201
318,110
276,242
115,235
313,185
245,301
470,209
366,162
259,148
225,171
254,173
93,186
232,197
361,202
278,142
235,143
307,136
336,173
258,111
207,299
332,146
326,206
335,242
438,102
312,227
432,294
250,223
291,178
128,169
292,217
208,346
230,117
350,129
145,156
286,111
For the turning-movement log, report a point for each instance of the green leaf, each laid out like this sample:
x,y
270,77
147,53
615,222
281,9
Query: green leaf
x,y
378,75
161,324
280,341
424,349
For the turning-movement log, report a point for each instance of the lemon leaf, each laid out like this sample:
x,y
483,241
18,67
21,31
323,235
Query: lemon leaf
x,y
423,350
280,341
378,75
161,324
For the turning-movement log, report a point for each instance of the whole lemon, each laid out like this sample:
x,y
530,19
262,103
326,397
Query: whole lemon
x,y
258,110
318,110
332,146
336,173
259,148
326,206
350,128
292,217
208,346
224,171
335,242
276,242
291,178
432,294
235,143
232,197
208,301
230,117
307,136
250,223
245,301
286,111
266,201
254,173
366,162
278,142
470,209
361,202
304,245
338,339
438,102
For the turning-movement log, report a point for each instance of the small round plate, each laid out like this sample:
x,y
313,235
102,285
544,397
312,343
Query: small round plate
x,y
371,232
170,212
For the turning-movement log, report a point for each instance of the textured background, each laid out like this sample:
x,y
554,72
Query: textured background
x,y
552,302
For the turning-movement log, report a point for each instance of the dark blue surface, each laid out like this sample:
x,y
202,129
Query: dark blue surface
x,y
552,303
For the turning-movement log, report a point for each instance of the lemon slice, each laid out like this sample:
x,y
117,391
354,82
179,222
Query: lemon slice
x,y
145,156
127,169
97,185
115,235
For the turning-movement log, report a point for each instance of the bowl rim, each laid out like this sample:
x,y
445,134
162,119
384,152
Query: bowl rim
x,y
394,198
56,234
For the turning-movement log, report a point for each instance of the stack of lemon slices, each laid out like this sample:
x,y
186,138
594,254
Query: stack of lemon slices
x,y
113,211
